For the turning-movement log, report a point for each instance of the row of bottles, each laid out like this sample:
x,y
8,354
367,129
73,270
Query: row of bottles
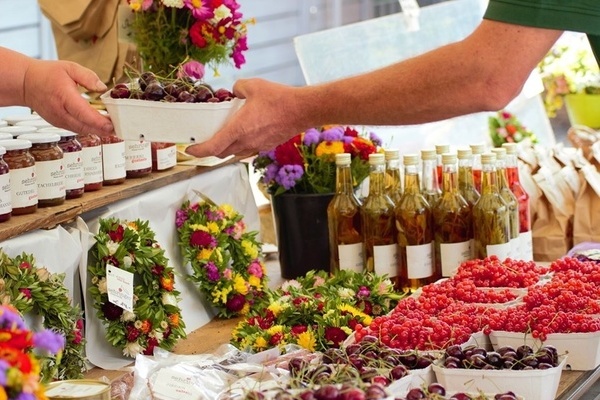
x,y
415,227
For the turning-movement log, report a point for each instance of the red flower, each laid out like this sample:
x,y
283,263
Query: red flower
x,y
157,270
349,131
25,265
26,292
116,235
196,35
352,323
288,154
111,311
335,335
362,148
511,129
298,329
132,333
152,343
202,239
365,306
17,339
236,303
275,339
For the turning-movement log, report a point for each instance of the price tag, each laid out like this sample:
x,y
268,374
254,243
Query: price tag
x,y
177,386
411,11
120,287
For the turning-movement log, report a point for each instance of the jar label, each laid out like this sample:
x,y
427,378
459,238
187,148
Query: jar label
x,y
92,164
23,186
502,251
113,161
386,260
50,179
351,257
5,194
454,254
419,261
73,170
166,158
526,246
138,155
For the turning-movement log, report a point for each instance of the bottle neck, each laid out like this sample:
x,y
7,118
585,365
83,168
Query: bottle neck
x,y
430,178
411,179
449,178
465,173
376,179
501,175
512,170
393,170
489,183
343,184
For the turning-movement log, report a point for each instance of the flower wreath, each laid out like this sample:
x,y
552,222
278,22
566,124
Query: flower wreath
x,y
156,318
30,289
223,256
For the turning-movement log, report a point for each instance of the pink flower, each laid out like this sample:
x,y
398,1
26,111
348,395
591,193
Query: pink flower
x,y
26,292
192,69
201,9
255,269
227,274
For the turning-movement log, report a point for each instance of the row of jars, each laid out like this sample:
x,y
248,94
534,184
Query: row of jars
x,y
42,166
415,227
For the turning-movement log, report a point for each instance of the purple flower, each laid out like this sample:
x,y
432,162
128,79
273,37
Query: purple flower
x,y
375,139
25,396
311,137
270,173
11,319
212,272
4,366
363,291
333,134
288,175
180,218
192,69
347,139
49,341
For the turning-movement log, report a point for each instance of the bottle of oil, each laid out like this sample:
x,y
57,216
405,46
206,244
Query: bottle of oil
x,y
477,149
344,221
512,173
439,150
510,200
379,223
393,180
415,234
491,217
430,185
452,221
466,184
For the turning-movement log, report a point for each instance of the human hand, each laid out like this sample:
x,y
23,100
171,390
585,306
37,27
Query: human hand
x,y
267,119
51,89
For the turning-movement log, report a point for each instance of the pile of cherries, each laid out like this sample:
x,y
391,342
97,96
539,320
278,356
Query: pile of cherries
x,y
435,391
506,357
149,86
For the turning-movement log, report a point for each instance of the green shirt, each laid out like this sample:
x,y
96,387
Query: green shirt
x,y
566,15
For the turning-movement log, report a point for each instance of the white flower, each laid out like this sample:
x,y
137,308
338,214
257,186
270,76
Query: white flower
x,y
158,335
127,261
102,286
132,349
169,299
222,12
346,293
127,316
173,3
112,247
291,284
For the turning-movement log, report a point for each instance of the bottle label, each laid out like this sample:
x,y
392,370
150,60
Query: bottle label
x,y
454,254
50,179
502,251
23,186
113,161
386,260
515,248
351,257
526,246
73,163
5,194
92,164
138,155
419,261
166,158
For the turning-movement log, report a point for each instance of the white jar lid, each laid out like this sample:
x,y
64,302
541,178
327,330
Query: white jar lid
x,y
6,136
18,130
14,119
38,123
3,150
3,123
40,137
15,144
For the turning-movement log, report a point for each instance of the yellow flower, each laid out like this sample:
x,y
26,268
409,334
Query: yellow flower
x,y
221,294
132,225
3,395
260,343
238,329
228,210
204,254
307,340
213,227
255,282
198,227
249,248
366,319
239,284
275,308
275,329
329,149
246,309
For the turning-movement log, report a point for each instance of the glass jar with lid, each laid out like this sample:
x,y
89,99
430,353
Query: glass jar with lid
x,y
72,162
164,155
91,153
23,182
113,160
5,195
138,158
49,168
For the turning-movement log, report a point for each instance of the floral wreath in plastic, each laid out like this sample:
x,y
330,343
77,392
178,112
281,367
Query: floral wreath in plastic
x,y
224,257
31,289
156,317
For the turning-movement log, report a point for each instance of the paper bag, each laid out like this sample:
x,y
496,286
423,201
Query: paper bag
x,y
81,19
586,222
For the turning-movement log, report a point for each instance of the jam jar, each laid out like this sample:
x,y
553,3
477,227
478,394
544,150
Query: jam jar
x,y
72,163
23,182
138,158
91,153
164,155
5,195
113,160
17,130
49,169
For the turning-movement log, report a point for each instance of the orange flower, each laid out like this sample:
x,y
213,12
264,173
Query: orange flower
x,y
167,283
174,319
16,358
146,326
329,149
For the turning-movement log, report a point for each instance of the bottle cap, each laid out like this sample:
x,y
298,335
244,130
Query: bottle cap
x,y
411,159
392,154
442,148
428,154
477,148
15,144
376,159
449,158
499,152
511,148
40,137
488,158
464,153
343,159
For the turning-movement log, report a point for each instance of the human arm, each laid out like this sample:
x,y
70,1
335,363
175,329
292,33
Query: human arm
x,y
51,88
483,72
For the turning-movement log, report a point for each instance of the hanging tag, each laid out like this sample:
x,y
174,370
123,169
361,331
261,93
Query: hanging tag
x,y
119,285
411,11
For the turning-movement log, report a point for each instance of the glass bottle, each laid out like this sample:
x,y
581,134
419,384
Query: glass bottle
x,y
379,223
439,150
452,222
344,221
512,174
430,183
466,183
491,217
477,149
393,182
510,200
415,236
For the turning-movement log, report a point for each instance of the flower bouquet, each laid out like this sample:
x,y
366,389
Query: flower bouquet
x,y
224,257
21,349
315,311
155,320
505,127
167,32
306,163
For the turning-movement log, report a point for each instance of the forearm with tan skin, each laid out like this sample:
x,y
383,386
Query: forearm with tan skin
x,y
483,72
52,89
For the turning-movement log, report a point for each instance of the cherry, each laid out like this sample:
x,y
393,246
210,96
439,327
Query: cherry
x,y
436,388
121,92
202,94
154,91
